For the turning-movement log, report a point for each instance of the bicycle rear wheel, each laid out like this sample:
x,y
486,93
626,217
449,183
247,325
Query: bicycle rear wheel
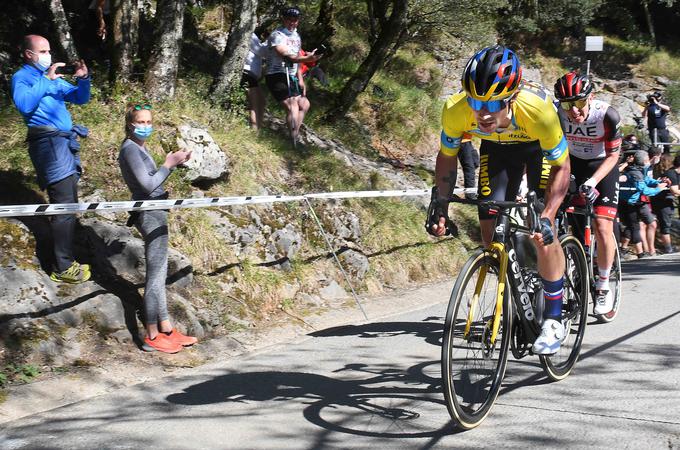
x,y
473,365
614,283
574,310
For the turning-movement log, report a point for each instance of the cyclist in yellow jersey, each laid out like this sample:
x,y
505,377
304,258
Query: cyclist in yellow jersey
x,y
518,126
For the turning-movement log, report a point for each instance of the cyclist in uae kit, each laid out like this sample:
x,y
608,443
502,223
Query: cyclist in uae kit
x,y
592,128
518,126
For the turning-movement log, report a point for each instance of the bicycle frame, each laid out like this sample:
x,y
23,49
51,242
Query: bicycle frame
x,y
501,248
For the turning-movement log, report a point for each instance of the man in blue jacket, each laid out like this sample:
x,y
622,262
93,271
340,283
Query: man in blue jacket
x,y
40,94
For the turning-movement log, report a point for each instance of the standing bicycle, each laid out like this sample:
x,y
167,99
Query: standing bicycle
x,y
519,127
496,306
592,129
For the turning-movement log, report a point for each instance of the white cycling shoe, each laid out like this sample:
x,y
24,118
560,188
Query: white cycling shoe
x,y
552,334
604,302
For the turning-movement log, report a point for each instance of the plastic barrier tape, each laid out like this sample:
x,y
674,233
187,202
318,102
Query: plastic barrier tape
x,y
145,205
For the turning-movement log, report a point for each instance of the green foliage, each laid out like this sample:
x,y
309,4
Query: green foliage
x,y
673,96
403,112
23,373
532,18
324,172
626,18
662,63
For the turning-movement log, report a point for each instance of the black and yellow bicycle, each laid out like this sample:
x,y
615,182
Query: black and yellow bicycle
x,y
496,307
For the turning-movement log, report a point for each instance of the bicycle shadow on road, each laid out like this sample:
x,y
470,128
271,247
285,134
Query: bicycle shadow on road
x,y
430,330
386,403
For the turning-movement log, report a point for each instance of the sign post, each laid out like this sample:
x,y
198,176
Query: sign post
x,y
593,44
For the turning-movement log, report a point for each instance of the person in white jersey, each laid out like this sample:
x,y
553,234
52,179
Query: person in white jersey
x,y
284,75
592,129
252,72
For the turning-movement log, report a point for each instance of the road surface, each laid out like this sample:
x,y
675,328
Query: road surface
x,y
377,386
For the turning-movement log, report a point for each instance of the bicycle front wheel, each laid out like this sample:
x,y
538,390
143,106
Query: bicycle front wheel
x,y
614,283
473,362
574,310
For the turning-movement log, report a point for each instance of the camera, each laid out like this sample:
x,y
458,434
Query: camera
x,y
653,97
68,69
324,49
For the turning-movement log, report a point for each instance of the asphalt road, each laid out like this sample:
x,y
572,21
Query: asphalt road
x,y
377,386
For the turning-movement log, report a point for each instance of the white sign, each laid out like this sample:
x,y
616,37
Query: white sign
x,y
594,43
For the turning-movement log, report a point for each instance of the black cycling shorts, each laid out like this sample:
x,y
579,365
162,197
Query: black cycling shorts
x,y
282,88
606,204
248,80
501,168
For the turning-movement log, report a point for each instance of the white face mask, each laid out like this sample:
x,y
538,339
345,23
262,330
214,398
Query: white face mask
x,y
44,60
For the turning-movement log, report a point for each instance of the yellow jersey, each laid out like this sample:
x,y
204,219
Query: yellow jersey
x,y
534,118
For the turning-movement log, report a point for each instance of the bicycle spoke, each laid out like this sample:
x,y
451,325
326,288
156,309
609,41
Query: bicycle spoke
x,y
471,362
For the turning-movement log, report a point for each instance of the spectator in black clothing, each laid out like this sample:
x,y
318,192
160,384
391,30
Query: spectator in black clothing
x,y
469,161
668,170
656,113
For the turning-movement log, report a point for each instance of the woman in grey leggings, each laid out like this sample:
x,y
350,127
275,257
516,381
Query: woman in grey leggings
x,y
145,181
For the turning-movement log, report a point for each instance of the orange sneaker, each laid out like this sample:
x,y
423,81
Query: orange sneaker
x,y
161,343
181,339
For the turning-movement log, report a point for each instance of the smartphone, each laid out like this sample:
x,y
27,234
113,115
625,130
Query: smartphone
x,y
68,69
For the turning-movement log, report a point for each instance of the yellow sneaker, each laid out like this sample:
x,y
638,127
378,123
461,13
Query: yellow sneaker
x,y
77,273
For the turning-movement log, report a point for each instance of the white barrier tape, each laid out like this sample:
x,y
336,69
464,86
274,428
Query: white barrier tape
x,y
146,205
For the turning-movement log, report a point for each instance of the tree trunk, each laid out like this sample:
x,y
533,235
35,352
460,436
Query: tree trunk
x,y
238,43
372,24
325,22
161,75
125,36
62,30
377,17
650,23
375,59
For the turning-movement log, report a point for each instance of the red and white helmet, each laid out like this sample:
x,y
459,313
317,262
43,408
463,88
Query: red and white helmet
x,y
572,86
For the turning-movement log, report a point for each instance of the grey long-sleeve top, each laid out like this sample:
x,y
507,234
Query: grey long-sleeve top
x,y
140,173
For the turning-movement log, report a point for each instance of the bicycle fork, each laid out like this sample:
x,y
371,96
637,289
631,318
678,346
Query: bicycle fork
x,y
496,250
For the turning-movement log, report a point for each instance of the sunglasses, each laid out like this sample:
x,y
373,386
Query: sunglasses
x,y
141,107
579,104
492,106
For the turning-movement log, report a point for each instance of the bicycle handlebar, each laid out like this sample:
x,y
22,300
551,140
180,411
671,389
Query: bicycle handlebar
x,y
532,204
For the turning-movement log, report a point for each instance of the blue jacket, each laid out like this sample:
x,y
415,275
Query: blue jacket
x,y
41,101
637,184
52,138
55,154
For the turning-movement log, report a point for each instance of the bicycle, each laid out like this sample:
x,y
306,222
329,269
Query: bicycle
x,y
485,321
576,219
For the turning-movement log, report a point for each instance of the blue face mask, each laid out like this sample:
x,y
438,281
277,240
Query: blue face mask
x,y
143,131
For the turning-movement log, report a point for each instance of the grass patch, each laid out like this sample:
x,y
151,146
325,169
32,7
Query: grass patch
x,y
662,63
673,96
192,233
16,245
19,373
551,67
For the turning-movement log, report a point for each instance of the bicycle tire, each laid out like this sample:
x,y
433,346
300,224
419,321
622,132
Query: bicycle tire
x,y
472,367
614,283
574,310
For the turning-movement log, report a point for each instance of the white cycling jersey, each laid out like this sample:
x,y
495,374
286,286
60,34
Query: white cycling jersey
x,y
599,134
